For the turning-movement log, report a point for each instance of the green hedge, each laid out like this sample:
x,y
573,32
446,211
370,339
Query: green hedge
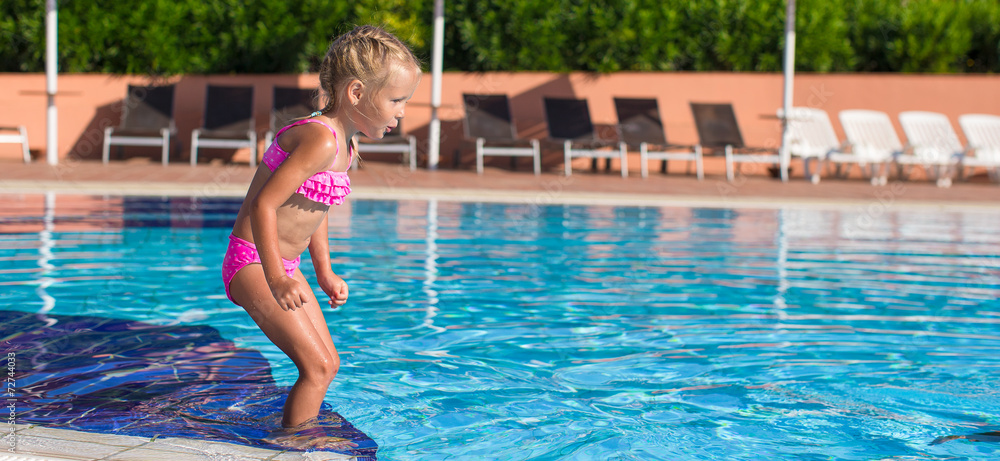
x,y
277,36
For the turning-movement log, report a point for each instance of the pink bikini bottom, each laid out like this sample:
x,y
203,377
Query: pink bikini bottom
x,y
239,254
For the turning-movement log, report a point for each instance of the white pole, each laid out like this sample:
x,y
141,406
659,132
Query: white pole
x,y
45,254
430,267
789,83
783,284
51,69
434,148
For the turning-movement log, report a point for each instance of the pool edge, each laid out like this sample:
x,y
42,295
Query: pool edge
x,y
34,442
540,198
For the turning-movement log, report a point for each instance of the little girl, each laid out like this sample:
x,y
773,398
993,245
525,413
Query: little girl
x,y
368,75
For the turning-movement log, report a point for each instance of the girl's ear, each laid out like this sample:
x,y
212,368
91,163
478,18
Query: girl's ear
x,y
354,91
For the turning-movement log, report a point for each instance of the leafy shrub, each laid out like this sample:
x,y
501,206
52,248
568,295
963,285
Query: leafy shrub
x,y
163,37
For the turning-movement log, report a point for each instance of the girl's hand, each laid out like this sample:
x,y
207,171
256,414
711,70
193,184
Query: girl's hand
x,y
334,287
288,292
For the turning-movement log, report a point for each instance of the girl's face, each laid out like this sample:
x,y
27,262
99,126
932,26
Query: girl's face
x,y
381,110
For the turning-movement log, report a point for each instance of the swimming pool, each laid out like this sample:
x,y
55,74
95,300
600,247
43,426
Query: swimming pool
x,y
505,331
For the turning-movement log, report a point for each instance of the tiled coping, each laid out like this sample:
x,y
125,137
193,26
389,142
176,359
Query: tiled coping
x,y
488,195
36,443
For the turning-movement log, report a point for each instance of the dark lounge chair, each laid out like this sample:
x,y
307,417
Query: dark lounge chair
x,y
641,128
287,105
228,122
569,121
147,120
405,144
488,122
717,128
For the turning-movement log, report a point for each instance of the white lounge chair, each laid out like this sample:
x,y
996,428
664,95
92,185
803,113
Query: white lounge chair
x,y
982,131
812,138
934,145
20,138
873,142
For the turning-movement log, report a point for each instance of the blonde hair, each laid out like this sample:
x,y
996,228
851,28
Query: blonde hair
x,y
366,53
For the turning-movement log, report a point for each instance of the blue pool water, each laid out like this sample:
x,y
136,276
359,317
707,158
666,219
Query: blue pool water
x,y
493,331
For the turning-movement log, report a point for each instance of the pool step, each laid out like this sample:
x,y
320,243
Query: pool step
x,y
35,443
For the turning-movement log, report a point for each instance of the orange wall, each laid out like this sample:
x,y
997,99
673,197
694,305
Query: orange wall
x,y
89,102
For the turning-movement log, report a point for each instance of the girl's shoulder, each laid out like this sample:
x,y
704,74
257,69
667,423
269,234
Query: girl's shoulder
x,y
311,127
311,134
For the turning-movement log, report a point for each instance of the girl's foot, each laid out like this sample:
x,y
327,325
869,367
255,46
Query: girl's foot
x,y
309,435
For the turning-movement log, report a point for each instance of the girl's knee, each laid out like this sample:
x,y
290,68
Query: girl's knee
x,y
335,359
321,369
335,365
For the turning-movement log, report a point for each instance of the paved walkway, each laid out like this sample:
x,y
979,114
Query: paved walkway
x,y
389,180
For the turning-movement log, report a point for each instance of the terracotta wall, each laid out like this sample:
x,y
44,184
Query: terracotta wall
x,y
89,102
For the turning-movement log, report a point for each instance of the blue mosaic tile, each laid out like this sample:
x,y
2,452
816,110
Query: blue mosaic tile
x,y
123,377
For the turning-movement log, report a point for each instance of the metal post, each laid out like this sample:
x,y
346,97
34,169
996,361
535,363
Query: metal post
x,y
789,84
51,70
434,147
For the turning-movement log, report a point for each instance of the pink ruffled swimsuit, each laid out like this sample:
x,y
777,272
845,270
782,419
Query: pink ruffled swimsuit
x,y
327,187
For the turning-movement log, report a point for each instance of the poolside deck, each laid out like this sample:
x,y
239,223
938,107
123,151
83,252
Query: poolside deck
x,y
392,180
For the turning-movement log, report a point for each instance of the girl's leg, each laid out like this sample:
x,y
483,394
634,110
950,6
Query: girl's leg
x,y
315,311
294,333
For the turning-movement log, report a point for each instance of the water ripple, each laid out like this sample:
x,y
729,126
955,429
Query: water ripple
x,y
490,331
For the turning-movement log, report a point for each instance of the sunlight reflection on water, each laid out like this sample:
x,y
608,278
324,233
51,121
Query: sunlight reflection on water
x,y
594,332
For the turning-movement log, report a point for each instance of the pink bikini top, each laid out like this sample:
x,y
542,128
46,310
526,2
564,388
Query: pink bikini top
x,y
326,187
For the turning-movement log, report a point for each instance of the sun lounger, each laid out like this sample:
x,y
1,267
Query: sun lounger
x,y
399,143
7,135
982,131
812,139
488,123
147,120
718,129
228,121
569,122
641,128
873,142
288,104
933,143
